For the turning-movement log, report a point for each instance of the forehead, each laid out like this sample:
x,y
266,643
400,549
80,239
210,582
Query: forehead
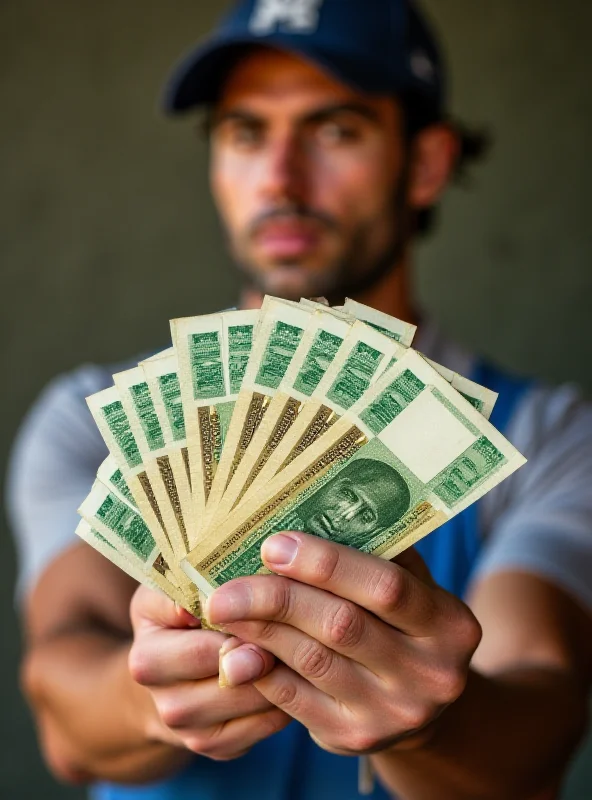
x,y
276,80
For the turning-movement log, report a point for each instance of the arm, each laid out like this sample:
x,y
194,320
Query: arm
x,y
512,731
378,661
95,720
92,717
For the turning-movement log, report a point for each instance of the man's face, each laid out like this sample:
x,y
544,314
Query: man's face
x,y
342,512
304,172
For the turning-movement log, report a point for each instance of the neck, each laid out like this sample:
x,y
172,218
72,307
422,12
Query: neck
x,y
392,294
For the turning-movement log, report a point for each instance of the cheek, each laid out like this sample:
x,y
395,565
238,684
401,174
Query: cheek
x,y
231,186
352,187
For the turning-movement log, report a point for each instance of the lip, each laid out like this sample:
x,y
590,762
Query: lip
x,y
286,240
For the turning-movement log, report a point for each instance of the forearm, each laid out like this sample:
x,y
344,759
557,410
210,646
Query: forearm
x,y
95,721
506,737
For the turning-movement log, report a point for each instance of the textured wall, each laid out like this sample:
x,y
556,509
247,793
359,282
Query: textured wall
x,y
107,230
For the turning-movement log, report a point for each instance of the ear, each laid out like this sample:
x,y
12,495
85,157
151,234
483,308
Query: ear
x,y
434,155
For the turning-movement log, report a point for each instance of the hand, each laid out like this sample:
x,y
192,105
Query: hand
x,y
372,651
178,662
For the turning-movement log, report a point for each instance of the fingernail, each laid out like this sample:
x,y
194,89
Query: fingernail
x,y
280,550
229,603
242,665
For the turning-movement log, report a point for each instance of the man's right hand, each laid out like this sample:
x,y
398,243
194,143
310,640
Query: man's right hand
x,y
179,662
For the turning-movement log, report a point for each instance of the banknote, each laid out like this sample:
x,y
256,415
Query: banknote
x,y
282,325
402,332
212,353
314,354
408,456
361,358
124,529
110,416
111,476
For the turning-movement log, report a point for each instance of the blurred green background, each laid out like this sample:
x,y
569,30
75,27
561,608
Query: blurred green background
x,y
107,230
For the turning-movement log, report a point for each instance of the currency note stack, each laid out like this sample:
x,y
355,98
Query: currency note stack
x,y
297,416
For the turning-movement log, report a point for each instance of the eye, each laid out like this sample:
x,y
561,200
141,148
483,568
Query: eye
x,y
245,135
368,516
332,133
348,494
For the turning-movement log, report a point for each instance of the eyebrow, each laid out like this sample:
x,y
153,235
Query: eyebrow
x,y
318,115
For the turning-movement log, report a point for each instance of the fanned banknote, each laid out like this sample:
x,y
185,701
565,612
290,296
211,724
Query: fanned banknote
x,y
297,416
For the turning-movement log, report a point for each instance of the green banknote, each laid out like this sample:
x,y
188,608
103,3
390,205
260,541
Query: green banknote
x,y
278,335
212,353
405,458
314,354
360,359
109,413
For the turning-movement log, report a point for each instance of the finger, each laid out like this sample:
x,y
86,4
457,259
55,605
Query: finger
x,y
321,666
315,710
411,561
203,704
166,656
152,609
333,625
235,737
242,662
387,590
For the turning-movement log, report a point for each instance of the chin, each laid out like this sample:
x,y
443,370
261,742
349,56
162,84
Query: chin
x,y
294,282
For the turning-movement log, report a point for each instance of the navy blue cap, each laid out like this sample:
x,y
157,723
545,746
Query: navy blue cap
x,y
376,46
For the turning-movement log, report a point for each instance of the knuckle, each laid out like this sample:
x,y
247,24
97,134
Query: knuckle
x,y
345,626
264,631
451,685
389,589
362,741
326,564
286,698
174,715
140,666
312,659
414,716
198,743
280,600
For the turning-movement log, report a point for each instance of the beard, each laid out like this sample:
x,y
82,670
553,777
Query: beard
x,y
358,269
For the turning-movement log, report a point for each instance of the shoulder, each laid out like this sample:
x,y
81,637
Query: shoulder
x,y
53,461
540,519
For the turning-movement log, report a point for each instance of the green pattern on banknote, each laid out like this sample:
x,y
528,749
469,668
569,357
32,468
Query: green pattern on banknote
x,y
392,401
127,525
224,411
278,353
385,331
147,415
474,401
238,548
101,538
118,481
469,469
240,342
456,412
355,375
118,423
320,355
205,354
170,391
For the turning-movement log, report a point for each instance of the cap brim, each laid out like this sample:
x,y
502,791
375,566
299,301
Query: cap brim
x,y
198,78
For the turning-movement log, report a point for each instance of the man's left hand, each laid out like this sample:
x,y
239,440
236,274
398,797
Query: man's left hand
x,y
371,651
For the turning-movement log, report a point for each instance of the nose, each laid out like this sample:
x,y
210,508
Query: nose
x,y
283,176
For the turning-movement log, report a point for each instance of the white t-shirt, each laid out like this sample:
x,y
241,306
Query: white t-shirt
x,y
538,520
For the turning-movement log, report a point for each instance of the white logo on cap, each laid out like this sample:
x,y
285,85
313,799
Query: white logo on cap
x,y
422,66
295,16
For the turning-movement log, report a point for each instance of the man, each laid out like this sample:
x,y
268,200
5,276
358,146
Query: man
x,y
330,149
364,498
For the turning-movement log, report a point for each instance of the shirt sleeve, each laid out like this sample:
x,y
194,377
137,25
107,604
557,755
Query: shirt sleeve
x,y
540,519
52,467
